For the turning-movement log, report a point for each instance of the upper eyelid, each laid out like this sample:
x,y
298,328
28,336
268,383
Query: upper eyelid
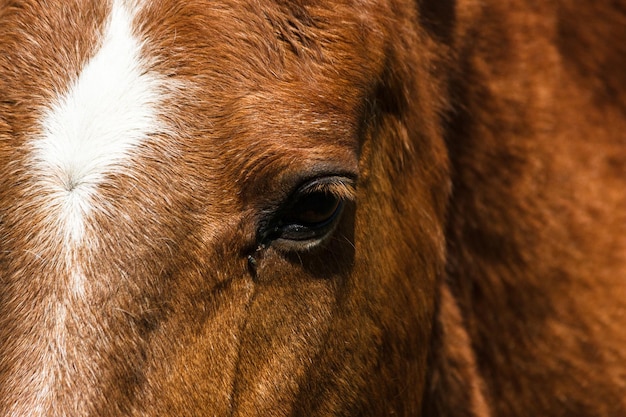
x,y
339,186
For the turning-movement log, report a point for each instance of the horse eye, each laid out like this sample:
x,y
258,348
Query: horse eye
x,y
310,214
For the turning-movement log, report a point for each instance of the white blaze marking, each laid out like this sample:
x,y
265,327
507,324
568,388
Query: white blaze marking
x,y
90,130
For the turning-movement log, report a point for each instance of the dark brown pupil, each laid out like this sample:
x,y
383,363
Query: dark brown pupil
x,y
315,208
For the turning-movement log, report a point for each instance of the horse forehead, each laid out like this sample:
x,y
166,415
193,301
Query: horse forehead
x,y
91,128
97,124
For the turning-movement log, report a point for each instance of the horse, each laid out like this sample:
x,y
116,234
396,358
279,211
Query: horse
x,y
312,208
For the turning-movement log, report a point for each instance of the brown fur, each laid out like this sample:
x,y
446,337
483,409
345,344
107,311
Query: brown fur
x,y
536,242
479,270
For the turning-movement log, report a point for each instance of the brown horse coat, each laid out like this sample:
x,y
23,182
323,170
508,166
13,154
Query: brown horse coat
x,y
312,208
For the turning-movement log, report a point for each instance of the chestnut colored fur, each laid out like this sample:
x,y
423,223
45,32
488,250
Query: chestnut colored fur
x,y
479,271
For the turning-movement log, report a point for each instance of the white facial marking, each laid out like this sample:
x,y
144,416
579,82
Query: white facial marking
x,y
91,129
88,132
